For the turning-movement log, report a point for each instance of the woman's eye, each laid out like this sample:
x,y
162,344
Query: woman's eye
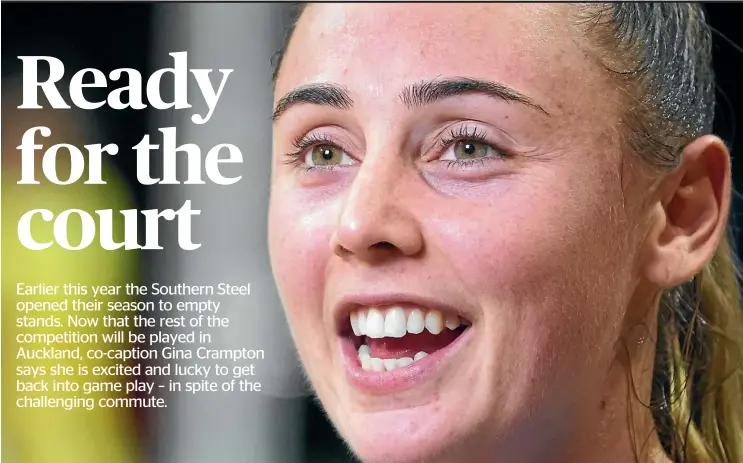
x,y
468,149
327,155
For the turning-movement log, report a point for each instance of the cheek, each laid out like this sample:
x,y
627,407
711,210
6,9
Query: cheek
x,y
541,262
299,243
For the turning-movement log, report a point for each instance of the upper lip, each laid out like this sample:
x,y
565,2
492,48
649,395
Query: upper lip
x,y
350,302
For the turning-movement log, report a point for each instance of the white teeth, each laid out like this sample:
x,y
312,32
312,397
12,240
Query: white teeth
x,y
355,324
452,321
394,323
369,363
377,364
405,361
366,362
416,322
375,324
390,364
361,320
434,322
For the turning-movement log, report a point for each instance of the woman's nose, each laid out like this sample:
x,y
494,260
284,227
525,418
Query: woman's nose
x,y
376,218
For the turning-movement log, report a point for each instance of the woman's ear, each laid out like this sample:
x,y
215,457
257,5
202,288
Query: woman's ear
x,y
690,217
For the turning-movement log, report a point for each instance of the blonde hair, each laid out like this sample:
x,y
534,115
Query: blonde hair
x,y
660,57
700,356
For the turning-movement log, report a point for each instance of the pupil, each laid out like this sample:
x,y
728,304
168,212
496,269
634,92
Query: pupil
x,y
327,154
469,149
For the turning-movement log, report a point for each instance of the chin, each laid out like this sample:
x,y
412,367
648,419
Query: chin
x,y
403,436
401,390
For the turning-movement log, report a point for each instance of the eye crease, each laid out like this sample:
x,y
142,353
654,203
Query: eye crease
x,y
462,147
467,143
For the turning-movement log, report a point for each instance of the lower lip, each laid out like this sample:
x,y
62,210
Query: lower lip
x,y
402,378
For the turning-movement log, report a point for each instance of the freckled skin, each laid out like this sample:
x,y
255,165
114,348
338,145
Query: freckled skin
x,y
536,249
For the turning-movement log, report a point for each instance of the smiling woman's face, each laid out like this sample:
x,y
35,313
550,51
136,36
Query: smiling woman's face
x,y
453,169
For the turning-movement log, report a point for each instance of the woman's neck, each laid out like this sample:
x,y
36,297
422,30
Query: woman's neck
x,y
618,426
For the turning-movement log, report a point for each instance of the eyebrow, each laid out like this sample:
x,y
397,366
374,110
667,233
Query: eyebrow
x,y
323,94
429,92
413,96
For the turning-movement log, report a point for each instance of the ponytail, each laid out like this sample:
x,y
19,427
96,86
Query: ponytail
x,y
697,396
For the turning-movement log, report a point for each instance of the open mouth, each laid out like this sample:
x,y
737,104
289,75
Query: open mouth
x,y
396,337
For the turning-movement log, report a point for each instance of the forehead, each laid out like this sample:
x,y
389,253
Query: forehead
x,y
381,47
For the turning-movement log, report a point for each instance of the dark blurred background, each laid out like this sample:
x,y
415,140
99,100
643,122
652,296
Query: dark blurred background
x,y
110,36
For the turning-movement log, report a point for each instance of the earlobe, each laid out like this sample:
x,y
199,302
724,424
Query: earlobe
x,y
690,220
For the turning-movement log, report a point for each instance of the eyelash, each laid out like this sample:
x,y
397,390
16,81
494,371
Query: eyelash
x,y
463,133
